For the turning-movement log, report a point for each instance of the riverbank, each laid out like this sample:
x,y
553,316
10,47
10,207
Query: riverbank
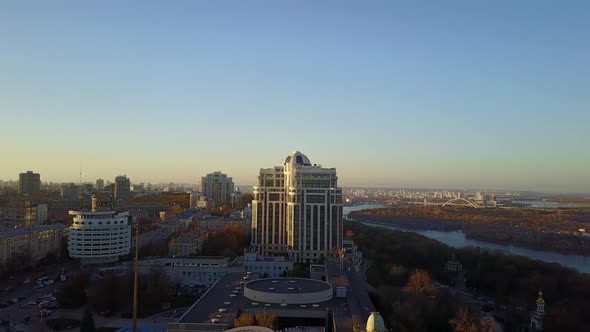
x,y
537,230
508,279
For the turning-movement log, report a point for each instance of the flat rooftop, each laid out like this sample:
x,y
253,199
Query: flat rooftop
x,y
215,299
288,285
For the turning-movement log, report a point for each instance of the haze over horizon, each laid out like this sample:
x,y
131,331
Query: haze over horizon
x,y
460,95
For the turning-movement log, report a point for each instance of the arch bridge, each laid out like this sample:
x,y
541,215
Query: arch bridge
x,y
468,202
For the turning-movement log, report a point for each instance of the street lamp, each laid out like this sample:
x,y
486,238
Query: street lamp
x,y
135,275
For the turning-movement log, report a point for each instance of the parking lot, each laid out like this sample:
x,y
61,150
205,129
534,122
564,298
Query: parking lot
x,y
23,300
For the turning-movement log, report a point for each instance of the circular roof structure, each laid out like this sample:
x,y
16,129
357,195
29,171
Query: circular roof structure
x,y
288,291
297,159
250,329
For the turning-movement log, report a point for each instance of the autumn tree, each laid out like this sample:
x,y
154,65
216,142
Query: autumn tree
x,y
419,284
465,322
266,320
87,323
244,320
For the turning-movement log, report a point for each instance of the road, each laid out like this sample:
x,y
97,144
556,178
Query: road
x,y
358,305
358,296
26,292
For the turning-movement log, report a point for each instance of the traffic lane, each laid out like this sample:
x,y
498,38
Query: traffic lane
x,y
18,314
359,291
20,289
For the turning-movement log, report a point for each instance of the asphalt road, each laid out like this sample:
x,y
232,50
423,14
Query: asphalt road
x,y
358,297
14,312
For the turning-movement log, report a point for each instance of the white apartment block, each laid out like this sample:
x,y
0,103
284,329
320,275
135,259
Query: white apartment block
x,y
100,235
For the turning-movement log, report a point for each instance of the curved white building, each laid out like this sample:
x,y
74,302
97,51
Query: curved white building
x,y
100,235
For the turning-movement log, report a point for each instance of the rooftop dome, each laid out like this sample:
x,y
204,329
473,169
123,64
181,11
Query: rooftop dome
x,y
297,159
375,323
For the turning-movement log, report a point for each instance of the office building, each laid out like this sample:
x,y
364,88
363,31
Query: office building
x,y
297,210
122,187
29,183
37,241
70,191
24,213
99,184
100,235
218,188
188,244
213,223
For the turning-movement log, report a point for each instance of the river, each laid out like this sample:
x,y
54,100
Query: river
x,y
457,239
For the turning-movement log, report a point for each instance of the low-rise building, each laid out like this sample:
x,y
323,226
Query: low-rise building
x,y
453,265
24,213
272,267
219,223
186,271
188,244
351,251
38,241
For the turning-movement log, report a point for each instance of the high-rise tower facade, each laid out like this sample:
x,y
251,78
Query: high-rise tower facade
x,y
29,183
218,188
297,210
122,187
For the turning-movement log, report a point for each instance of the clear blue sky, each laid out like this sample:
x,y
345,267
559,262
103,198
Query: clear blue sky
x,y
490,94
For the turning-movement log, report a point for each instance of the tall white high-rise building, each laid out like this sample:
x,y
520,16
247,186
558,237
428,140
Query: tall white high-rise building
x,y
218,188
297,210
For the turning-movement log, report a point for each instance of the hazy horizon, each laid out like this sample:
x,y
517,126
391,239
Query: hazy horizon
x,y
391,94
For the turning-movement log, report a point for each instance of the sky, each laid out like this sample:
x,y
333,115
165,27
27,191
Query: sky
x,y
446,94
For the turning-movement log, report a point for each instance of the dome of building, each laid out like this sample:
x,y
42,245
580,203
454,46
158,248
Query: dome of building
x,y
297,159
375,323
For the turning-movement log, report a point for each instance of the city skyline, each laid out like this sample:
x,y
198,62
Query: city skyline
x,y
393,95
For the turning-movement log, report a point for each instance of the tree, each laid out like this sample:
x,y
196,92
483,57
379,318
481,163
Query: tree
x,y
247,199
105,293
464,322
266,320
244,320
419,284
87,323
72,294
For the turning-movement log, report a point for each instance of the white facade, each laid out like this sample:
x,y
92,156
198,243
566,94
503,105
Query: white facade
x,y
187,271
100,235
297,209
271,267
218,188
